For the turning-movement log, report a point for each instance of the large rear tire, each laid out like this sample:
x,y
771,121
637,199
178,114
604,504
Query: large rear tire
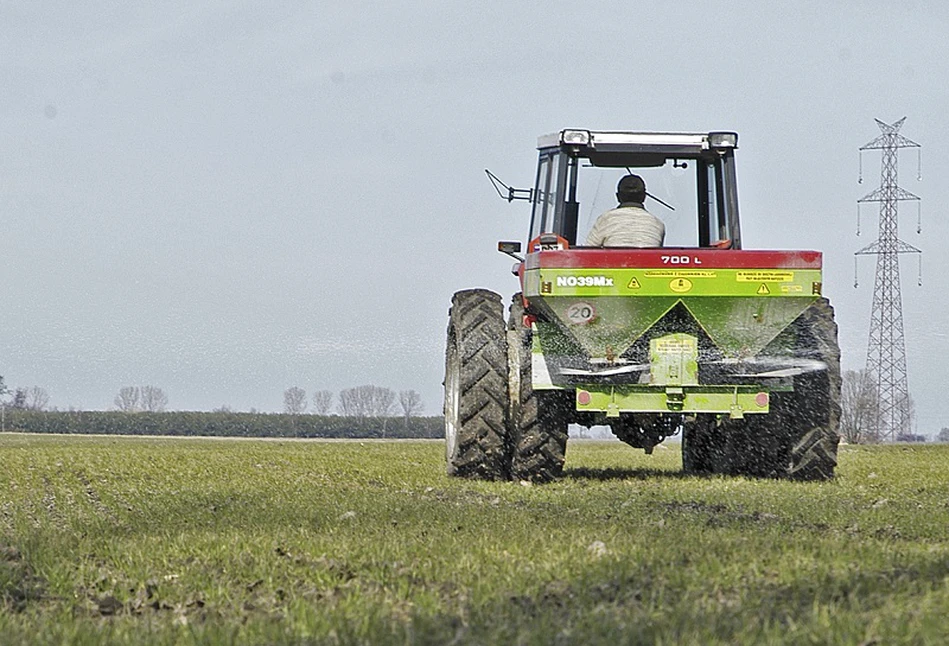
x,y
539,418
813,450
798,439
476,387
699,445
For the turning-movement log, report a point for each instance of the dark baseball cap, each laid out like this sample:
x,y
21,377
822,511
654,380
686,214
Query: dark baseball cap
x,y
631,184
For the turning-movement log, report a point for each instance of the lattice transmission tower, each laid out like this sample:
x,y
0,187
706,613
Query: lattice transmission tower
x,y
886,347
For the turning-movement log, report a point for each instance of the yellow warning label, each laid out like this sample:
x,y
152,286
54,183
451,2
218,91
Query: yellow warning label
x,y
633,284
680,273
764,289
759,276
680,285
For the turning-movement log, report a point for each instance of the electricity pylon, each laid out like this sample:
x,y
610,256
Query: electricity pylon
x,y
886,347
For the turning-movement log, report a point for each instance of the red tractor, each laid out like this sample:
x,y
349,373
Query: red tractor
x,y
733,349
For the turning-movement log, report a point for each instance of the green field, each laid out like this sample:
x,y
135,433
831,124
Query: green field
x,y
135,540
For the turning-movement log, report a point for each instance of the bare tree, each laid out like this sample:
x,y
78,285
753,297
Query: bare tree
x,y
383,402
943,435
37,398
909,414
351,404
154,399
859,407
294,400
128,398
322,401
3,405
366,401
411,403
19,399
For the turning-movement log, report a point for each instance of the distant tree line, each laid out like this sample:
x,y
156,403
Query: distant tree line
x,y
361,401
130,399
33,398
221,424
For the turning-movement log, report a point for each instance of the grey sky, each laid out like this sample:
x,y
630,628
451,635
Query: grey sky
x,y
225,199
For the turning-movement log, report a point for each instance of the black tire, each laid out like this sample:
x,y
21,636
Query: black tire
x,y
539,419
698,445
713,444
476,387
813,452
798,439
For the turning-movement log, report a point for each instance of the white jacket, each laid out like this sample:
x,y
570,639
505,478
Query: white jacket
x,y
628,225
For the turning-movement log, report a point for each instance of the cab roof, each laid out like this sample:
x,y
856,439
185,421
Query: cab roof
x,y
605,144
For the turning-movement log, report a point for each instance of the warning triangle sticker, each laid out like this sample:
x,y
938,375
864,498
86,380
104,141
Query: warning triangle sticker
x,y
634,284
764,289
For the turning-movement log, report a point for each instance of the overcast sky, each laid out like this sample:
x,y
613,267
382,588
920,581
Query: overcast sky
x,y
225,199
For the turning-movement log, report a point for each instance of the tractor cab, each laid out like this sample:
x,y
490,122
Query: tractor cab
x,y
690,180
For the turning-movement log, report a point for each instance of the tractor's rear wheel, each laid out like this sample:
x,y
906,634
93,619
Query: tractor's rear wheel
x,y
798,438
539,418
698,444
476,387
712,443
815,404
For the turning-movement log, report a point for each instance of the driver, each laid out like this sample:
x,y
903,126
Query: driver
x,y
629,224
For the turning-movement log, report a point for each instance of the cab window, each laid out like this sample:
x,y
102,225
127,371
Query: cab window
x,y
548,192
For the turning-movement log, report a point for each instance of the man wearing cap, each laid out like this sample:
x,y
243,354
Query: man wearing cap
x,y
629,224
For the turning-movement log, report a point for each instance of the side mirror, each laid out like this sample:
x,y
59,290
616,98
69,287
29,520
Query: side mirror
x,y
526,194
511,249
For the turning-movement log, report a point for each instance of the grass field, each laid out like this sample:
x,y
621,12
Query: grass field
x,y
132,540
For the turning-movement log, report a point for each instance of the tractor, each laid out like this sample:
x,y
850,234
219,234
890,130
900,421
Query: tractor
x,y
733,350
